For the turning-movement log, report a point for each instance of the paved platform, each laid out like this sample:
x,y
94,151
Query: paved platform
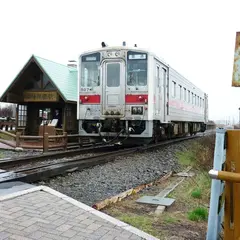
x,y
43,213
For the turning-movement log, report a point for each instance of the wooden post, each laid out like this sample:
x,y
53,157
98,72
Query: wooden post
x,y
225,194
64,117
18,139
65,141
45,142
232,190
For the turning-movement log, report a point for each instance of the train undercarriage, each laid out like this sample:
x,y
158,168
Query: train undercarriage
x,y
136,132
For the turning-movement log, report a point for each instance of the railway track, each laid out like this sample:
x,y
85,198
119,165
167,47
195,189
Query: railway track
x,y
8,162
33,174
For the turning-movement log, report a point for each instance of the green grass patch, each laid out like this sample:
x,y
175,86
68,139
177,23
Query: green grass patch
x,y
198,214
194,187
196,193
186,158
144,223
170,219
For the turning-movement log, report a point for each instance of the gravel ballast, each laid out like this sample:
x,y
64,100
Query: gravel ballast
x,y
48,162
15,154
100,182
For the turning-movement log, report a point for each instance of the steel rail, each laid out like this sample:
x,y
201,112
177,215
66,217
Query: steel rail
x,y
34,174
8,162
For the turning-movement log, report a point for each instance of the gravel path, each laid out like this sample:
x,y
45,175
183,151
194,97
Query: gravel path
x,y
100,182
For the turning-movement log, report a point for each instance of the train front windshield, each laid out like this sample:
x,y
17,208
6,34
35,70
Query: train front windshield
x,y
90,70
137,69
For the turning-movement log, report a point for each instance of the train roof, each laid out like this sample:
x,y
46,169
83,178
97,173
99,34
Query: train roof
x,y
136,49
108,48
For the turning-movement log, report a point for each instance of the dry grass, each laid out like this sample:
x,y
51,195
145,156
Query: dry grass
x,y
6,137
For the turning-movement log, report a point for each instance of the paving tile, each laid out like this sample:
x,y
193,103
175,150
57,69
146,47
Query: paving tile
x,y
42,215
94,226
63,227
5,235
37,235
69,233
18,237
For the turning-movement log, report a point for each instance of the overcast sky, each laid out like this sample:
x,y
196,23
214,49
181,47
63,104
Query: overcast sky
x,y
197,38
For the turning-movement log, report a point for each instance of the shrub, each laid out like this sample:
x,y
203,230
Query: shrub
x,y
198,214
196,193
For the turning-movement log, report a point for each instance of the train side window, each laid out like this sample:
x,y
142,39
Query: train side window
x,y
189,96
180,91
158,76
185,94
164,76
173,89
195,99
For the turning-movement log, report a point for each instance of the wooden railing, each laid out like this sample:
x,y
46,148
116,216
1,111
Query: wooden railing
x,y
45,142
7,125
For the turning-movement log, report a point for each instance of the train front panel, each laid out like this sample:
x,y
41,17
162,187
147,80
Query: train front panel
x,y
113,93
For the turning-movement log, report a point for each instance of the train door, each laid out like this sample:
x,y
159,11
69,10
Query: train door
x,y
205,108
164,105
158,92
113,88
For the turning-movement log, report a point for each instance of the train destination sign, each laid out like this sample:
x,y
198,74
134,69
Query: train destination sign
x,y
40,96
236,64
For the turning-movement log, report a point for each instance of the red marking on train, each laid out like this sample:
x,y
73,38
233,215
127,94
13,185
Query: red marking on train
x,y
140,98
90,99
186,107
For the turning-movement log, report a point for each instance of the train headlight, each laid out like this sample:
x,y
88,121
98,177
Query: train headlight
x,y
137,110
140,110
134,110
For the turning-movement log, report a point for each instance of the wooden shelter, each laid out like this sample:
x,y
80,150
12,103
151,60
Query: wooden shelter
x,y
41,89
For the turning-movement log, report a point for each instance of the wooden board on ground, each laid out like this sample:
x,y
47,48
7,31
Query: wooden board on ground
x,y
155,200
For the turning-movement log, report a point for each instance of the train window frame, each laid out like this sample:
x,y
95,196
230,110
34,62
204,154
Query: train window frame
x,y
135,76
158,75
180,91
90,64
174,89
184,94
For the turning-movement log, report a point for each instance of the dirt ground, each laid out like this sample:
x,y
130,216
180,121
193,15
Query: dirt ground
x,y
173,223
